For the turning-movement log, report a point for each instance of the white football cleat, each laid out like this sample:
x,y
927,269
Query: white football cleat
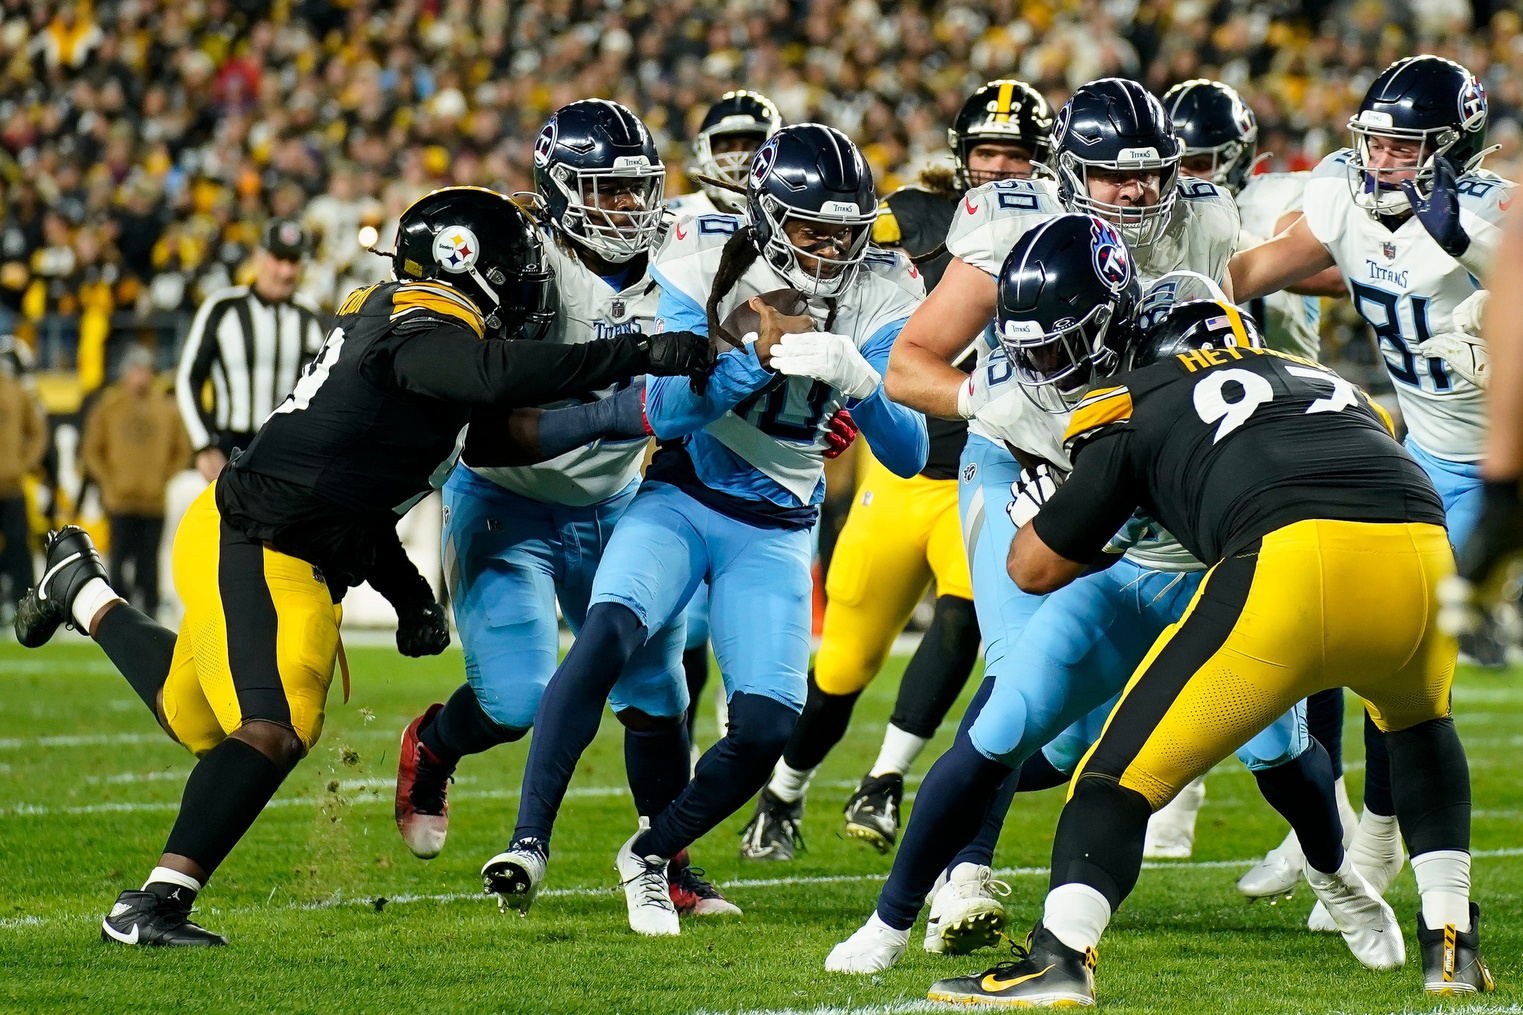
x,y
515,874
1377,853
1171,830
1364,919
873,948
646,890
966,912
1277,874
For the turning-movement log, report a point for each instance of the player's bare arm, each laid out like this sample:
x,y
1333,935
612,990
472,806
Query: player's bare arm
x,y
1290,258
920,372
1035,567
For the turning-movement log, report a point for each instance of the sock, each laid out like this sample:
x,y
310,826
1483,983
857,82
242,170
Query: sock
x,y
789,784
1035,773
1432,791
1076,915
1324,721
1377,770
1376,828
899,751
820,727
939,668
1302,791
139,648
570,711
1099,838
695,667
728,774
462,727
1443,883
953,800
172,885
89,600
225,793
659,764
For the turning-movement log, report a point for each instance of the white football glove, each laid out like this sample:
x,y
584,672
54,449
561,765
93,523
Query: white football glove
x,y
1467,316
1030,491
1464,354
834,359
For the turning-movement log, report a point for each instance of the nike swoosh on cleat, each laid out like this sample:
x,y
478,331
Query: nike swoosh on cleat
x,y
993,985
42,586
126,939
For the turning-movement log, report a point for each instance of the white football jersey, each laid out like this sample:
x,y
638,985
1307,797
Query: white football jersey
x,y
1290,322
691,205
783,436
1406,287
586,308
1200,236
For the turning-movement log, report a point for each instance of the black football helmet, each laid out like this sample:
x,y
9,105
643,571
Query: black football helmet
x,y
1427,99
1007,111
479,242
1066,296
811,173
1195,324
737,115
591,150
1211,118
1116,124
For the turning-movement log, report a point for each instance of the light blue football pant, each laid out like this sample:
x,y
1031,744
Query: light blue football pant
x,y
760,588
507,560
1459,486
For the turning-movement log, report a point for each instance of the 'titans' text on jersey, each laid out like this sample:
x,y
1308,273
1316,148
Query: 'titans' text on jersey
x,y
1406,287
587,308
770,445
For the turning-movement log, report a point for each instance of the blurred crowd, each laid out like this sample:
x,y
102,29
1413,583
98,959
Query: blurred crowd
x,y
143,143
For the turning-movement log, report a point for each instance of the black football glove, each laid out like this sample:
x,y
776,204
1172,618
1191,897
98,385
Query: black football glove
x,y
422,631
1439,212
680,353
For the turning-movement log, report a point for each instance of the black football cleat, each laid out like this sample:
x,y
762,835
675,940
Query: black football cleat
x,y
72,561
1048,975
773,833
142,918
872,813
1452,960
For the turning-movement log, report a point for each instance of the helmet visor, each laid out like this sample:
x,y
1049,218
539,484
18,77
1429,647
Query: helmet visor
x,y
819,252
1054,367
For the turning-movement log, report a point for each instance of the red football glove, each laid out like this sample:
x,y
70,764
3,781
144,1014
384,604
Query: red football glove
x,y
843,430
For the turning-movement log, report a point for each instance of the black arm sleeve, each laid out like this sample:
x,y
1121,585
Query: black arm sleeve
x,y
452,364
1096,500
395,576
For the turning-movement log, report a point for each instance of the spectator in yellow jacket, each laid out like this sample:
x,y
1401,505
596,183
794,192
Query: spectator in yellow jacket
x,y
23,441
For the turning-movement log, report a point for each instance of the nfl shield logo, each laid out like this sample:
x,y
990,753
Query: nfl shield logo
x,y
616,308
1389,250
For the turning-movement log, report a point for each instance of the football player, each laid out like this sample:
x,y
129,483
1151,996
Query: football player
x,y
732,130
1410,220
1288,480
517,540
902,533
1220,135
733,492
1068,282
309,509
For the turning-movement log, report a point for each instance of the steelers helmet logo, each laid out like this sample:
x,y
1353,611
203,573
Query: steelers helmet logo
x,y
456,249
545,143
1113,263
761,163
1472,105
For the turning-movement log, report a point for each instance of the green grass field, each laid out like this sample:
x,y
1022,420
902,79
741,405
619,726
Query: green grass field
x,y
326,910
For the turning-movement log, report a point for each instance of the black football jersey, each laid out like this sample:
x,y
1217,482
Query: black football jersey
x,y
916,220
1222,446
379,416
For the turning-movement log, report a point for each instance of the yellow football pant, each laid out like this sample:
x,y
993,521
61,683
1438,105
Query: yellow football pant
x,y
1317,604
899,534
259,639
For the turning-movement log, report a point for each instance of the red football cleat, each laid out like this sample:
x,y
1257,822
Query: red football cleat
x,y
422,781
691,894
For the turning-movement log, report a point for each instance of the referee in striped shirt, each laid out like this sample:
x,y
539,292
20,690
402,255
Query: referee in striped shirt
x,y
246,347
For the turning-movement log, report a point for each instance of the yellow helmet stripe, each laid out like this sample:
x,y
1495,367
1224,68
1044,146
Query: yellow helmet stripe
x,y
1002,104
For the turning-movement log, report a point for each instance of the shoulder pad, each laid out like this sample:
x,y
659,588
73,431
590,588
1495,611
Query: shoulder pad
x,y
886,229
437,300
1486,194
1334,166
894,266
992,217
1100,408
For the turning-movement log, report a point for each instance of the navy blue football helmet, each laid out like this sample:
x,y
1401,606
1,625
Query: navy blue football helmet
x,y
1424,99
1211,119
1194,324
591,156
1067,293
1115,124
738,116
1005,111
481,243
812,174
